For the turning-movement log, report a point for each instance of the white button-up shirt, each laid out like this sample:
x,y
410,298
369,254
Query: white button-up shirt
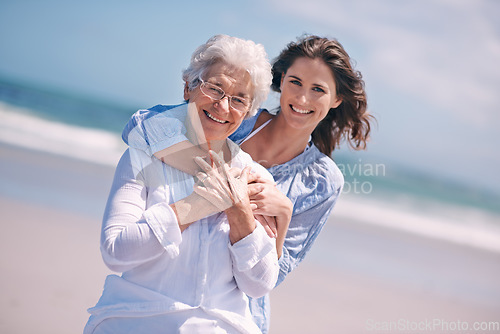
x,y
171,278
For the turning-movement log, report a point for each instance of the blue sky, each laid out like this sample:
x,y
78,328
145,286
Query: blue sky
x,y
431,67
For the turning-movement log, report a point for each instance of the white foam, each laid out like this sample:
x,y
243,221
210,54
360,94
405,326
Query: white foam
x,y
460,225
17,127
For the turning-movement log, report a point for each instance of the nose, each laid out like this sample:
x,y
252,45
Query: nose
x,y
222,104
302,96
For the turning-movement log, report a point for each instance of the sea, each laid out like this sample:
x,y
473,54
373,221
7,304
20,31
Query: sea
x,y
375,192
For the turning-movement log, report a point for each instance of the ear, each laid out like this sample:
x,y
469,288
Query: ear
x,y
337,102
186,91
282,78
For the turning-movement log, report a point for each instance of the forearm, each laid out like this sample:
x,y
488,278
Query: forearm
x,y
126,246
241,221
132,233
181,156
275,208
283,218
126,238
282,223
192,208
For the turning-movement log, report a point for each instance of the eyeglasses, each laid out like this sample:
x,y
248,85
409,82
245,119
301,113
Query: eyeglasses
x,y
214,92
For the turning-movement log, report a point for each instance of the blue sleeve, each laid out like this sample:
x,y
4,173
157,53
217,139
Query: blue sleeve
x,y
155,129
302,233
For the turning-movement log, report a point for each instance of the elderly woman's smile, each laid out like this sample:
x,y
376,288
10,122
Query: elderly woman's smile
x,y
218,117
212,117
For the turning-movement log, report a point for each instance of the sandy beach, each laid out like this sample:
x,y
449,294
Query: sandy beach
x,y
358,278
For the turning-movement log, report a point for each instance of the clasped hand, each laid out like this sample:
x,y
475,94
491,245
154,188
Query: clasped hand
x,y
223,187
220,185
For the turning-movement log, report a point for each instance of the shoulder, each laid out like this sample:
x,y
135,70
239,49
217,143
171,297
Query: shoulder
x,y
262,117
148,127
309,179
144,115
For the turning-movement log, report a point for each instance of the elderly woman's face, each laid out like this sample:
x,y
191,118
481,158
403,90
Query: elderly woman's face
x,y
218,118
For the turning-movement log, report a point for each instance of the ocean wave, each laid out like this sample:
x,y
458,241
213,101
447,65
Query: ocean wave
x,y
19,127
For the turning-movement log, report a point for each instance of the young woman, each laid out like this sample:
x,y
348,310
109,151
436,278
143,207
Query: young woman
x,y
322,103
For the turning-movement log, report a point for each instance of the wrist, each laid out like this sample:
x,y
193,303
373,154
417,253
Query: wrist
x,y
241,221
286,209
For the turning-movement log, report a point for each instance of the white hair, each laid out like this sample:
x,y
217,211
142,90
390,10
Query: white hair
x,y
244,54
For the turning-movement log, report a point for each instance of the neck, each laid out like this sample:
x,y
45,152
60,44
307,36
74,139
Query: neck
x,y
287,143
296,139
198,139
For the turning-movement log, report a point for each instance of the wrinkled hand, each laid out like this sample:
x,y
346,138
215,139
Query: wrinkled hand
x,y
219,185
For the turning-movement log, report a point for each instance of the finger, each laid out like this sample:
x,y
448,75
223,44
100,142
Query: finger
x,y
231,182
259,208
264,224
244,174
257,178
254,189
203,164
220,203
201,176
235,171
238,186
271,222
252,177
219,161
225,172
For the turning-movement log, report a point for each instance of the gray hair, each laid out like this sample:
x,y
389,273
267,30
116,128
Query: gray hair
x,y
234,51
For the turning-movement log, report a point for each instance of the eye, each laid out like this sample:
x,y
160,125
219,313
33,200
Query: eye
x,y
216,90
238,100
319,90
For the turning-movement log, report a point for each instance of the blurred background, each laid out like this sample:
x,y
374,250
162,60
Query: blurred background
x,y
416,234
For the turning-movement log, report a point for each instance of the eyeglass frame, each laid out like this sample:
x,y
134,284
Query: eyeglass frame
x,y
224,95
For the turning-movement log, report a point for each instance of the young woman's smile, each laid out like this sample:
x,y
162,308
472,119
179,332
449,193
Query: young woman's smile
x,y
308,92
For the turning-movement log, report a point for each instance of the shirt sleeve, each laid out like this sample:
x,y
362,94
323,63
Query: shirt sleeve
x,y
133,233
255,262
155,129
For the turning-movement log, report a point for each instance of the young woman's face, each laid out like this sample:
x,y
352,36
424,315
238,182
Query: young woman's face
x,y
218,120
308,91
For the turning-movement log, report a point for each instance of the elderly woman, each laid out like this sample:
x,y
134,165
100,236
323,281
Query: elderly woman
x,y
196,281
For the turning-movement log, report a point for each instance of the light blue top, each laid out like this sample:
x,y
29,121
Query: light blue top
x,y
311,180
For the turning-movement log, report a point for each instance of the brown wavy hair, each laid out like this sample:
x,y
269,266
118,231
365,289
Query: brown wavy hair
x,y
350,120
